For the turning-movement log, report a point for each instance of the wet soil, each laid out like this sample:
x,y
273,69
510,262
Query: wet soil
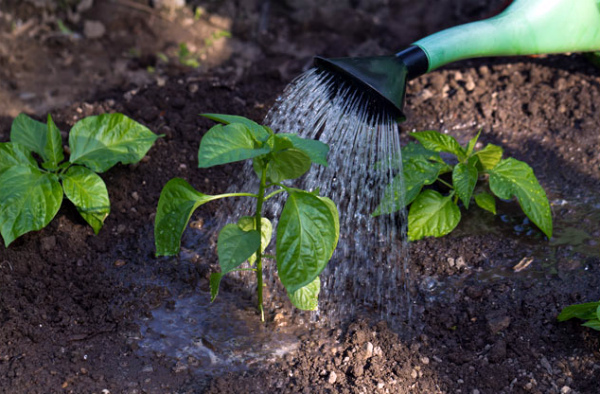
x,y
94,314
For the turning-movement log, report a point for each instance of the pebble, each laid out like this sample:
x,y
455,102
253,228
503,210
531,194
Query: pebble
x,y
93,29
546,364
332,377
368,347
48,243
565,390
120,263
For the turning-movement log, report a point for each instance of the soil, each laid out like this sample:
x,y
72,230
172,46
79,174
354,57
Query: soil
x,y
81,313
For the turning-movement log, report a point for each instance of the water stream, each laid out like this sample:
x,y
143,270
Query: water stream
x,y
368,271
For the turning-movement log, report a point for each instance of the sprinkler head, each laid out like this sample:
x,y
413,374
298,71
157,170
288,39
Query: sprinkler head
x,y
382,79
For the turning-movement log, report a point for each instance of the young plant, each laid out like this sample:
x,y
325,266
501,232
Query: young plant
x,y
30,195
590,312
308,228
432,213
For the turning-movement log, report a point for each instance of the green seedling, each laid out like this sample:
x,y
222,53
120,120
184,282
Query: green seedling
x,y
308,227
432,213
30,195
590,312
187,57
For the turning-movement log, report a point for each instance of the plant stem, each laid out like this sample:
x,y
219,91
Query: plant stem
x,y
276,192
259,273
238,195
445,183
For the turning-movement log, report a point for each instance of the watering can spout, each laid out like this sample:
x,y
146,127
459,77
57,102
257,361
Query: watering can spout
x,y
380,79
526,27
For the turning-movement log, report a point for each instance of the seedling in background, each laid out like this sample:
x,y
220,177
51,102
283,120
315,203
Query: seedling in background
x,y
590,312
432,213
31,196
308,228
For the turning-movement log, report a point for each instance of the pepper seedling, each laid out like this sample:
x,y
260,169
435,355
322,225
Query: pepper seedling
x,y
30,195
432,213
308,227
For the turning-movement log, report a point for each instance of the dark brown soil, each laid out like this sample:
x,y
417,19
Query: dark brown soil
x,y
78,312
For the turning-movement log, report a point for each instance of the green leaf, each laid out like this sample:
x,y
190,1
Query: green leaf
x,y
486,201
489,156
306,298
53,150
513,177
100,142
432,214
287,164
235,246
178,200
29,200
439,142
13,155
228,144
30,133
307,235
316,150
472,143
594,324
88,192
215,282
585,311
464,179
248,223
420,167
259,132
278,143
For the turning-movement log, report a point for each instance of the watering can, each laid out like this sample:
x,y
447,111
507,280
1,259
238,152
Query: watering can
x,y
526,27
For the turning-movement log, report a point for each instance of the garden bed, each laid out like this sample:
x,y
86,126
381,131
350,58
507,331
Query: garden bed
x,y
85,313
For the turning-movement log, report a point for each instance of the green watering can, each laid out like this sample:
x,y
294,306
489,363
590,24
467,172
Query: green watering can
x,y
526,27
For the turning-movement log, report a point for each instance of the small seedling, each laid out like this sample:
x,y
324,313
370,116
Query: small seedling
x,y
187,57
590,312
432,213
31,196
308,228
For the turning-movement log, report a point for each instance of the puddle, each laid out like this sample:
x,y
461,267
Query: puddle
x,y
210,338
575,240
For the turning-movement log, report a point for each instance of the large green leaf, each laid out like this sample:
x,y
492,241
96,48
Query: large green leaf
x,y
486,201
12,155
248,223
512,177
432,215
259,132
306,298
439,142
29,199
100,142
585,311
88,192
287,164
464,179
227,144
316,150
489,156
235,246
53,150
178,200
30,133
307,235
